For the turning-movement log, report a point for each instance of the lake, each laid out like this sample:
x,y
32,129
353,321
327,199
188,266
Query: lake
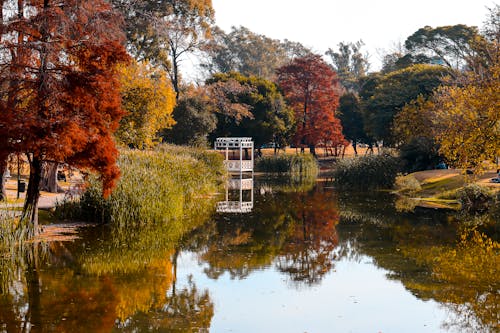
x,y
271,256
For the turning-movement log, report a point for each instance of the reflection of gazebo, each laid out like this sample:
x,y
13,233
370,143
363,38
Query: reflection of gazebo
x,y
243,189
236,153
238,160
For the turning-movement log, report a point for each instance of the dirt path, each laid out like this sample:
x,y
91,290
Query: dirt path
x,y
47,200
435,175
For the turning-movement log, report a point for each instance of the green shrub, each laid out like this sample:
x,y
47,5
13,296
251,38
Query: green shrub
x,y
475,198
303,164
373,171
155,187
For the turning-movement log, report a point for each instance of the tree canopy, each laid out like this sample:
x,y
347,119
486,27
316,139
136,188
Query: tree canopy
x,y
249,53
149,100
453,46
311,88
164,31
271,119
60,93
349,63
195,118
392,92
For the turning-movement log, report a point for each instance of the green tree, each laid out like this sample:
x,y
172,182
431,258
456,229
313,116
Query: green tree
x,y
413,129
385,97
453,46
351,117
271,119
164,31
195,119
350,64
249,53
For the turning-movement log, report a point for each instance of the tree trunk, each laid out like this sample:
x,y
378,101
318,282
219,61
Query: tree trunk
x,y
3,168
30,209
34,290
312,149
49,178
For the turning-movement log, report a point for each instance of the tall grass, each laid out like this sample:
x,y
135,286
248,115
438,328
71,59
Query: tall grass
x,y
303,164
367,172
155,187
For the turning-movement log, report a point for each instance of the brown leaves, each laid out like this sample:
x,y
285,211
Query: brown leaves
x,y
311,88
62,89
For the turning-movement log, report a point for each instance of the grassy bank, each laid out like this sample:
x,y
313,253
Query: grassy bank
x,y
155,187
447,189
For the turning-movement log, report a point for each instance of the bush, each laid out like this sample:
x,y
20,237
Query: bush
x,y
155,187
373,171
475,198
303,164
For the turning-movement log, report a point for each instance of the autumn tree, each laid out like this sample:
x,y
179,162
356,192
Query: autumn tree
x,y
149,100
467,121
62,103
164,32
311,89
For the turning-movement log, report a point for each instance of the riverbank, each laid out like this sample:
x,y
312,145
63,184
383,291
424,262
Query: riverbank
x,y
440,189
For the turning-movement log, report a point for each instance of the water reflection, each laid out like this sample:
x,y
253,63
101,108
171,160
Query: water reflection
x,y
434,255
293,232
119,279
238,195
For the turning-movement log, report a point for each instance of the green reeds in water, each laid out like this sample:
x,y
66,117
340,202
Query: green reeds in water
x,y
303,164
155,187
373,171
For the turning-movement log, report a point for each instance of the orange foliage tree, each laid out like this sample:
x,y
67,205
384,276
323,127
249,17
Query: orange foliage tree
x,y
311,88
61,102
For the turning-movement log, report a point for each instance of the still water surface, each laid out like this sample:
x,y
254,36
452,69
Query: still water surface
x,y
304,259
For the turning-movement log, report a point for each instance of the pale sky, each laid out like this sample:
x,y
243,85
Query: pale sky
x,y
322,24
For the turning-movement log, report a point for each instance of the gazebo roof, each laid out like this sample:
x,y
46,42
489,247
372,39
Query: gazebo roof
x,y
233,143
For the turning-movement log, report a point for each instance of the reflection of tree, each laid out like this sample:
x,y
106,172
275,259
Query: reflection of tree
x,y
309,251
468,275
294,230
426,253
186,310
100,284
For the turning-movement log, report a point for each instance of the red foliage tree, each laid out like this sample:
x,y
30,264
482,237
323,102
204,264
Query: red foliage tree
x,y
61,102
311,88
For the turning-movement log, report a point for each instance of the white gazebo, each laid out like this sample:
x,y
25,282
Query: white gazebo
x,y
234,148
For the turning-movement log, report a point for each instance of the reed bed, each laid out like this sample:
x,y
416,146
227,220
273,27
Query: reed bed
x,y
156,187
367,172
303,164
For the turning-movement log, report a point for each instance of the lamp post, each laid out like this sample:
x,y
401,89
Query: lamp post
x,y
18,175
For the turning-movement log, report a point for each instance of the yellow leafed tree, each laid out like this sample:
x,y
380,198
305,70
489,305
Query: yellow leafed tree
x,y
468,121
149,100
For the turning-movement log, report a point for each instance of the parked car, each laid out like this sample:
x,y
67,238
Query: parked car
x,y
269,145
